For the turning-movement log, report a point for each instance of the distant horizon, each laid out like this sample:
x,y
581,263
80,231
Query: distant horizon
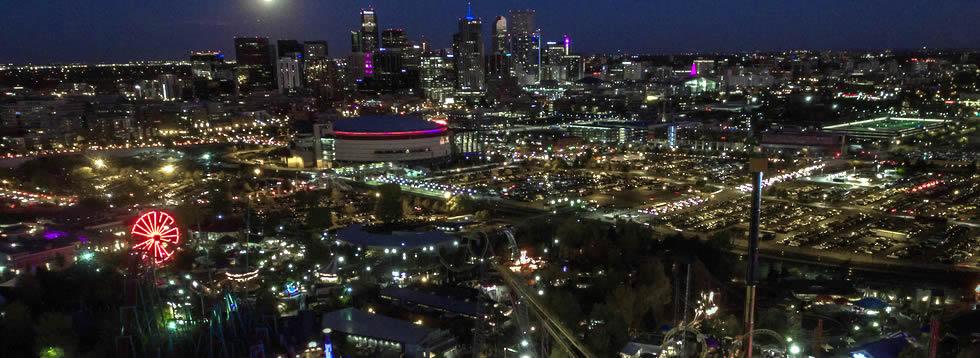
x,y
710,53
61,31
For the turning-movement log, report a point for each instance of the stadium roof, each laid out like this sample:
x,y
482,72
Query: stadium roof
x,y
360,323
384,124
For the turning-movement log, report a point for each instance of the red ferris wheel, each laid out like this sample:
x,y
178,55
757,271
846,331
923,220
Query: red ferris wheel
x,y
157,234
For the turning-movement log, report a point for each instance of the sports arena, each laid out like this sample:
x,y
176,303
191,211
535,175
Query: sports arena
x,y
888,128
387,138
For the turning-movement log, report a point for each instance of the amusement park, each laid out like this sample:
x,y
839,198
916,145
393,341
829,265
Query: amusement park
x,y
523,179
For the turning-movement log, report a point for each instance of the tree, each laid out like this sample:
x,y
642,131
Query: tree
x,y
266,302
407,210
565,306
389,206
17,328
319,218
482,216
54,332
460,204
912,351
337,196
308,198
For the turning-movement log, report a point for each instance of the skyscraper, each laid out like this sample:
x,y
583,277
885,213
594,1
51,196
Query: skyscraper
x,y
205,63
314,49
252,51
168,87
254,63
289,75
391,73
552,66
284,47
319,72
356,45
500,59
393,39
369,31
468,52
436,76
522,21
525,46
213,78
500,41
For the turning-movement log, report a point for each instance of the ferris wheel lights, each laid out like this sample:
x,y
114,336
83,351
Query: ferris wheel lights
x,y
158,231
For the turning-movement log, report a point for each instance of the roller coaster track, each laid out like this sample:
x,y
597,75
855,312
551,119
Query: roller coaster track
x,y
565,338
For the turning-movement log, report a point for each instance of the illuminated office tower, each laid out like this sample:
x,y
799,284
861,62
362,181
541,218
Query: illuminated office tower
x,y
254,63
468,52
204,64
369,31
525,43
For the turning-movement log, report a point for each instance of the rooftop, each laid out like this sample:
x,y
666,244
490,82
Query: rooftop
x,y
360,323
444,303
384,124
885,124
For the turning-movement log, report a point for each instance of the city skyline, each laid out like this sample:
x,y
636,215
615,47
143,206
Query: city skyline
x,y
120,32
508,179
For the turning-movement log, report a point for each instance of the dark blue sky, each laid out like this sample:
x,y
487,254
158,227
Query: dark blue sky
x,y
120,30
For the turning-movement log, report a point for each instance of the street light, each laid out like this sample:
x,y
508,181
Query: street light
x,y
794,349
99,163
167,168
257,171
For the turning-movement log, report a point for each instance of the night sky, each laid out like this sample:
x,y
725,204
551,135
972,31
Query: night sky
x,y
44,31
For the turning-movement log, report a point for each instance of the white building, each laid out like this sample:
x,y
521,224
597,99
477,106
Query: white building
x,y
289,75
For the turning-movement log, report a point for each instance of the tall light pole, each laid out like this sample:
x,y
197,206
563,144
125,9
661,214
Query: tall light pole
x,y
756,166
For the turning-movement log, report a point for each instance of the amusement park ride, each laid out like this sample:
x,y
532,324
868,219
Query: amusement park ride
x,y
160,236
148,329
523,303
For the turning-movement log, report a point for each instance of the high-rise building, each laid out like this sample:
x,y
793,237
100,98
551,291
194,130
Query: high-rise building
x,y
213,78
500,59
501,44
553,52
703,67
314,49
168,87
356,45
525,44
468,53
412,54
289,75
411,62
393,39
254,63
284,47
319,72
388,65
205,63
552,66
369,31
252,51
574,67
436,76
522,21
